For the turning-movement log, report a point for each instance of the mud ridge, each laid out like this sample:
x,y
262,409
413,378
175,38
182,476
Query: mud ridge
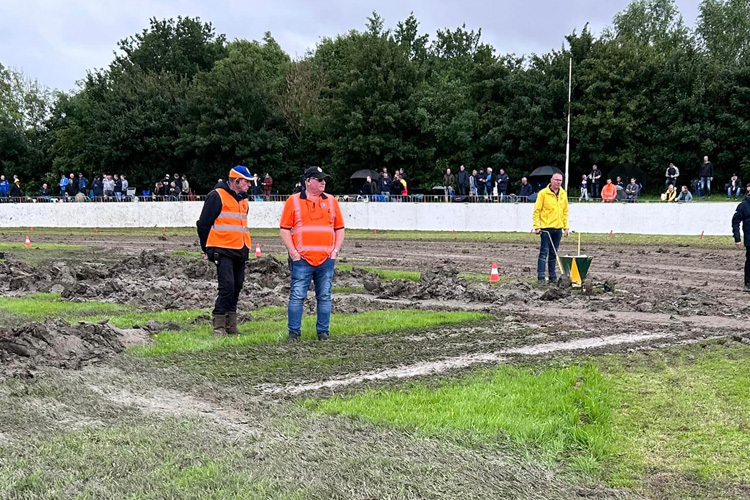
x,y
440,366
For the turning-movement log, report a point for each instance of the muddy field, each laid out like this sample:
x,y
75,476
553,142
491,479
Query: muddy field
x,y
642,298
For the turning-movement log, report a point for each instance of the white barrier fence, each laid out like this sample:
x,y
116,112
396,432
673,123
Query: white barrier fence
x,y
639,218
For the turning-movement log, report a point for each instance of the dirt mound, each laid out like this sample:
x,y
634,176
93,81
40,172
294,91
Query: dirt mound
x,y
443,282
57,344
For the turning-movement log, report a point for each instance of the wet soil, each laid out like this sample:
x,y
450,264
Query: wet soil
x,y
679,288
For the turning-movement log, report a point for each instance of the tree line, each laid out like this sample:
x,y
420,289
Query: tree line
x,y
178,97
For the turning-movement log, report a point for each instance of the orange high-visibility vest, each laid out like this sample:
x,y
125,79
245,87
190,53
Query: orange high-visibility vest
x,y
230,230
313,232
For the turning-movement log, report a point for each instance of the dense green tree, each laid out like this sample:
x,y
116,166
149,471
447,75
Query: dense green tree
x,y
233,115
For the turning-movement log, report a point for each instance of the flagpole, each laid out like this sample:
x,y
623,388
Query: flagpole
x,y
567,145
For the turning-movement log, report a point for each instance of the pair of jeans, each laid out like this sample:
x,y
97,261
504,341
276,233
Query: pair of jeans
x,y
550,236
705,186
231,274
322,277
736,192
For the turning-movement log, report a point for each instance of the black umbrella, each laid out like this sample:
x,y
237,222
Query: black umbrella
x,y
540,177
546,171
362,174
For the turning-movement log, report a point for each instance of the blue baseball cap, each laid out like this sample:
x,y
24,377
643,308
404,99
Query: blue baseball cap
x,y
240,172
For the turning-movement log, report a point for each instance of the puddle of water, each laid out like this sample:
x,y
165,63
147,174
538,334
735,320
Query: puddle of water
x,y
434,367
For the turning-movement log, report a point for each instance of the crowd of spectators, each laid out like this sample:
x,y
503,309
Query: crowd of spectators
x,y
477,185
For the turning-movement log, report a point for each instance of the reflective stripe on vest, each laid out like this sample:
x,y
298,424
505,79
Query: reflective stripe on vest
x,y
300,229
230,227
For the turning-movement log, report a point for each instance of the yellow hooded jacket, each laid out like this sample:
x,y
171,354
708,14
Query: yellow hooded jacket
x,y
551,210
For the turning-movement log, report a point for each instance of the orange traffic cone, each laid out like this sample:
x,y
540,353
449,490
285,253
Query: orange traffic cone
x,y
257,250
375,232
28,242
610,233
494,276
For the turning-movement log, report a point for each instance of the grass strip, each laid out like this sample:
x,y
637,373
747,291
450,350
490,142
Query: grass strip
x,y
43,305
366,234
166,458
564,412
41,246
267,331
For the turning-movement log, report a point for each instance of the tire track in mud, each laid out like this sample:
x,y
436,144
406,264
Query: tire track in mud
x,y
440,366
168,402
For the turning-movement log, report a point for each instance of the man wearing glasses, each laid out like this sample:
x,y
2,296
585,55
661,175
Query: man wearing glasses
x,y
312,230
225,241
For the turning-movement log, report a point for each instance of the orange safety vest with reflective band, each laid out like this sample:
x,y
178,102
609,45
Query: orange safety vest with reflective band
x,y
230,230
313,231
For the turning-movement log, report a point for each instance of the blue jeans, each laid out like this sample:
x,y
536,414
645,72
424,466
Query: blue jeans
x,y
302,274
705,186
736,192
546,254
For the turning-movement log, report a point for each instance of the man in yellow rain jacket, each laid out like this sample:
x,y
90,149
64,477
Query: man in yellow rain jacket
x,y
550,221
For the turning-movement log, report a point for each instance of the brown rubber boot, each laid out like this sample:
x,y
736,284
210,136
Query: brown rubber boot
x,y
232,324
220,324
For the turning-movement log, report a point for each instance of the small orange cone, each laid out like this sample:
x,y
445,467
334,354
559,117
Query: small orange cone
x,y
375,232
702,235
28,242
610,233
494,276
257,250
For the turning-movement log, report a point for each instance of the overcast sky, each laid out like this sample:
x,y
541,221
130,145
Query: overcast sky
x,y
56,41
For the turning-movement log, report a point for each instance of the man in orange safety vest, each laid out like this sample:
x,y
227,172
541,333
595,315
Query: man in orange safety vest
x,y
225,241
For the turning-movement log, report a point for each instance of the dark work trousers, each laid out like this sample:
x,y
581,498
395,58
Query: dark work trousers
x,y
595,189
550,237
231,274
747,266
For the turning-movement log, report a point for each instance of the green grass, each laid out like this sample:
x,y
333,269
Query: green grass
x,y
167,458
386,274
21,245
266,331
366,234
682,414
685,411
348,289
562,412
42,305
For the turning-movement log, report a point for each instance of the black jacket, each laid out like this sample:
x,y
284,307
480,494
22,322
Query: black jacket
x,y
463,178
211,210
742,215
97,188
369,187
706,170
526,190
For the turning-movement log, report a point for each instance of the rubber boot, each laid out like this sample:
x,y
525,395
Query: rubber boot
x,y
232,323
220,324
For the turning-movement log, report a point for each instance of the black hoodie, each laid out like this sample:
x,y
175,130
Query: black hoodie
x,y
742,215
211,210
